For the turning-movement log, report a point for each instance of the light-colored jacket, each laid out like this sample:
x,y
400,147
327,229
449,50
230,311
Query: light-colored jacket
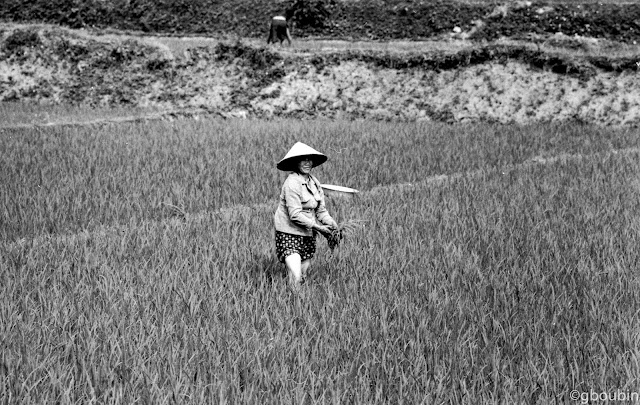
x,y
301,206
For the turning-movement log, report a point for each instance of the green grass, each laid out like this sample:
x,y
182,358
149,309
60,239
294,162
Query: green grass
x,y
60,180
514,283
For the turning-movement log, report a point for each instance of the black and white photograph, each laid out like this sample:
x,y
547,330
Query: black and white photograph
x,y
320,202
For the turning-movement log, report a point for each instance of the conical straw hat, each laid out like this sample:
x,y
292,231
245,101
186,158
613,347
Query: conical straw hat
x,y
300,149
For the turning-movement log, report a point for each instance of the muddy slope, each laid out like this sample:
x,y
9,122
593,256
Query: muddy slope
x,y
496,82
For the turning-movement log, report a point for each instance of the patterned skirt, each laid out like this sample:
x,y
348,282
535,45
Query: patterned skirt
x,y
287,244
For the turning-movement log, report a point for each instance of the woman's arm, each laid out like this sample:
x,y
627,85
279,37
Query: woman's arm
x,y
288,36
323,215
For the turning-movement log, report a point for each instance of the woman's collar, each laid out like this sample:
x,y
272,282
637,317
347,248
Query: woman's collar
x,y
304,177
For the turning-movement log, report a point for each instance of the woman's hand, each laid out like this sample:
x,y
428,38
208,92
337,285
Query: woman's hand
x,y
324,230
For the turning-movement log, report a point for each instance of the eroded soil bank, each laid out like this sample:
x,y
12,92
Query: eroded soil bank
x,y
493,82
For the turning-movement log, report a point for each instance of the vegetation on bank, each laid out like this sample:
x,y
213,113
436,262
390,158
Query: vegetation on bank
x,y
339,19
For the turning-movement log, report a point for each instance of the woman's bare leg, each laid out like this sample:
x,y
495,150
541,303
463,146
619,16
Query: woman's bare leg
x,y
304,266
288,37
294,265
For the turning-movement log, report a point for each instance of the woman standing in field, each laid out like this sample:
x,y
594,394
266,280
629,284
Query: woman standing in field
x,y
301,211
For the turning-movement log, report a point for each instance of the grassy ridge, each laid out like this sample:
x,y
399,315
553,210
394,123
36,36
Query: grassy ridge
x,y
60,180
560,63
491,288
21,114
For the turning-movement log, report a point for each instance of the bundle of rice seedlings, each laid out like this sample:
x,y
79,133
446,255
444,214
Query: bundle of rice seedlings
x,y
346,228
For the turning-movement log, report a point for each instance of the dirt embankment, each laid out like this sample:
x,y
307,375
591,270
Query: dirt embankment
x,y
497,81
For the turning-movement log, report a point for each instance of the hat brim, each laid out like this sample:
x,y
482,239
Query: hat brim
x,y
291,164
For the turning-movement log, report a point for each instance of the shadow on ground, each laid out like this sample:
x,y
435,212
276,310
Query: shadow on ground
x,y
266,266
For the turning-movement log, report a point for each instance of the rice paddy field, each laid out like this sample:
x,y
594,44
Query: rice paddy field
x,y
494,264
